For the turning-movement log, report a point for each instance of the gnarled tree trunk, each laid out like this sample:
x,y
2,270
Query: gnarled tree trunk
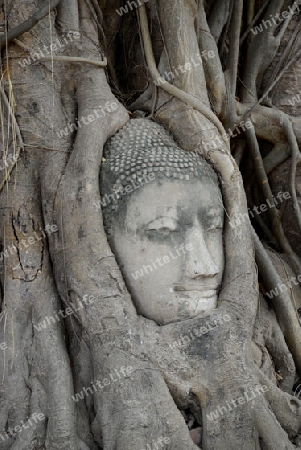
x,y
71,71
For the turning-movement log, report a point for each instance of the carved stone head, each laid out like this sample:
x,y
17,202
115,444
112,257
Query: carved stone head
x,y
163,214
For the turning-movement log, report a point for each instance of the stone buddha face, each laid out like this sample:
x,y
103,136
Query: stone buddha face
x,y
164,226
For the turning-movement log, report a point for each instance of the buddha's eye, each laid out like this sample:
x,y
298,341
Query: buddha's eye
x,y
212,219
214,228
161,227
215,224
162,230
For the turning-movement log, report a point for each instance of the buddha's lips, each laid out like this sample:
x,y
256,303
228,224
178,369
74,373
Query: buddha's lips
x,y
198,293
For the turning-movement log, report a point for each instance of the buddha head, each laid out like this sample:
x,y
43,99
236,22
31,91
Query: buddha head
x,y
163,215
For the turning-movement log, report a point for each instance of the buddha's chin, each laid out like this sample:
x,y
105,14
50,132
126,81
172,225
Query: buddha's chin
x,y
188,307
185,305
197,302
207,303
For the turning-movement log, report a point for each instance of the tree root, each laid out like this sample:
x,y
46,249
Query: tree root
x,y
67,16
267,333
232,64
270,430
58,384
296,158
260,11
29,23
285,51
266,93
286,408
75,60
282,304
169,88
239,151
218,17
215,79
97,16
276,156
16,129
67,59
41,359
273,212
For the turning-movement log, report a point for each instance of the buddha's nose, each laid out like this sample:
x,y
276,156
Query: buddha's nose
x,y
199,261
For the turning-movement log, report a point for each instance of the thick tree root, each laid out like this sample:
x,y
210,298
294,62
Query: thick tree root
x,y
271,432
286,408
169,88
282,304
29,23
267,333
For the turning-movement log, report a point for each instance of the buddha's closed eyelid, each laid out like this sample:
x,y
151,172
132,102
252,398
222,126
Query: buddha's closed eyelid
x,y
211,220
215,228
162,223
216,223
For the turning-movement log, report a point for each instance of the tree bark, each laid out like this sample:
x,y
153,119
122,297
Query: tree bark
x,y
55,250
